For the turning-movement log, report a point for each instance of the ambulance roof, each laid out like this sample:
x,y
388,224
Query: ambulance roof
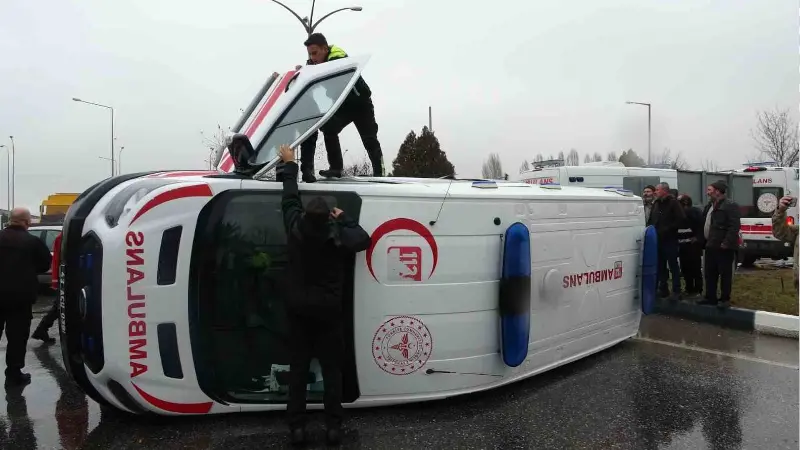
x,y
432,187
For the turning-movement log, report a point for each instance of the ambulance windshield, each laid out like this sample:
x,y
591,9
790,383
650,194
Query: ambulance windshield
x,y
313,103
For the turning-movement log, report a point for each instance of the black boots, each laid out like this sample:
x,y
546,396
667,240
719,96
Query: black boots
x,y
17,379
333,435
331,173
42,335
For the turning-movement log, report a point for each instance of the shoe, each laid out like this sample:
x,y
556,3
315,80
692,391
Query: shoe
x,y
308,176
331,173
334,436
19,379
42,335
298,436
723,304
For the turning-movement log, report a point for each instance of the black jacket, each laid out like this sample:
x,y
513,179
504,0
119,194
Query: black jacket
x,y
316,261
691,225
23,257
725,225
666,217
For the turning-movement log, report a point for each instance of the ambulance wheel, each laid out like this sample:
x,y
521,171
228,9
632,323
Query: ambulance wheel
x,y
748,261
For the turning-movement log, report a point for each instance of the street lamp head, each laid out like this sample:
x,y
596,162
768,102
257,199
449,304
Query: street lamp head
x,y
76,99
356,8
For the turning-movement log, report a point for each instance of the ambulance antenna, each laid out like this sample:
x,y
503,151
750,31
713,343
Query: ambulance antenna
x,y
433,222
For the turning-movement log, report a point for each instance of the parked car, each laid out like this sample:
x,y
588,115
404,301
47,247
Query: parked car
x,y
48,234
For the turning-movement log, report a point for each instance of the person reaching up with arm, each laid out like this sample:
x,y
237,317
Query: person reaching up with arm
x,y
321,240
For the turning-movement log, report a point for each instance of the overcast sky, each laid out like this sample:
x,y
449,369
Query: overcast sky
x,y
534,76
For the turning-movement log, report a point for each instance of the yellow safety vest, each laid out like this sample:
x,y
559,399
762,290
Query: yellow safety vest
x,y
336,53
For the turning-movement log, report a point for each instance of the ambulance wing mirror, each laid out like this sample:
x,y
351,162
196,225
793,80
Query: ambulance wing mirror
x,y
241,151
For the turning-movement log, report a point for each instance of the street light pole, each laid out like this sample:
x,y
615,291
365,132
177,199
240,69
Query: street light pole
x,y
649,139
308,23
112,127
8,178
13,173
119,161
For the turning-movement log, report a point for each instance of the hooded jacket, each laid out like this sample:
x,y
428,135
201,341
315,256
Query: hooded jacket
x,y
317,254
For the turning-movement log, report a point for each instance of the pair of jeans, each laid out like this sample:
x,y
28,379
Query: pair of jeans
x,y
15,318
668,259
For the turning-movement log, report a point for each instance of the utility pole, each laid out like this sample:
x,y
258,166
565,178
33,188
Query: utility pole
x,y
13,173
8,178
649,138
430,119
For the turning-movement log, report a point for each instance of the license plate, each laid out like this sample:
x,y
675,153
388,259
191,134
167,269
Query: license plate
x,y
61,301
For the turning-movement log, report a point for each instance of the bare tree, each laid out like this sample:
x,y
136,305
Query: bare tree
x,y
551,157
561,155
709,165
587,158
213,142
612,156
675,161
492,169
573,158
362,168
524,167
597,157
775,137
538,158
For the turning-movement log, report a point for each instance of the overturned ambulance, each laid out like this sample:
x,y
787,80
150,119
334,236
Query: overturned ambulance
x,y
172,283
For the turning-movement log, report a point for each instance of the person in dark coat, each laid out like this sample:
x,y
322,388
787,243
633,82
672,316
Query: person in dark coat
x,y
722,222
320,240
690,253
23,257
41,331
666,217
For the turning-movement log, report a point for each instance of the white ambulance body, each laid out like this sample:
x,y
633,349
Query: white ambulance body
x,y
770,183
606,174
172,284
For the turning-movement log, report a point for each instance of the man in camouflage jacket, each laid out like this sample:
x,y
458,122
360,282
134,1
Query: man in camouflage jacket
x,y
784,231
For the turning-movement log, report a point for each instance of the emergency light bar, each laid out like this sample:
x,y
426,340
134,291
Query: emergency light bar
x,y
755,169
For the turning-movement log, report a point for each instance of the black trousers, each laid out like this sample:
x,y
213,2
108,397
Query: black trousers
x,y
719,266
15,318
49,319
691,256
323,339
359,112
668,259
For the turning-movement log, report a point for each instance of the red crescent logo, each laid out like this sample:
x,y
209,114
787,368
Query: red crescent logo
x,y
402,223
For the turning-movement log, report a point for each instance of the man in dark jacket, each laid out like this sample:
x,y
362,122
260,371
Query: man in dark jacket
x,y
666,217
320,240
690,238
23,257
357,109
722,222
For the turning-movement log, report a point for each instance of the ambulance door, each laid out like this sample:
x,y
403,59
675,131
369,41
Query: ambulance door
x,y
300,103
243,286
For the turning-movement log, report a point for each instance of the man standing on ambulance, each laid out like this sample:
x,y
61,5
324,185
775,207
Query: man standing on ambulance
x,y
357,109
321,239
722,221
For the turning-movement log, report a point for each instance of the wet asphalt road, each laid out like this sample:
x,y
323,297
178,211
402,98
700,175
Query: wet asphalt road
x,y
680,385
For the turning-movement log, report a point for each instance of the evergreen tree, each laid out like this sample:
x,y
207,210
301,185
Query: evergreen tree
x,y
421,157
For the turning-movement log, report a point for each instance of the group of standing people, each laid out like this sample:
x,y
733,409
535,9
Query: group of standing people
x,y
697,245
